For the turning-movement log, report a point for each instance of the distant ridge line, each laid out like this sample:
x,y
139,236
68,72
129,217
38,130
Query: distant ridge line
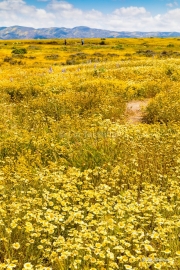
x,y
22,32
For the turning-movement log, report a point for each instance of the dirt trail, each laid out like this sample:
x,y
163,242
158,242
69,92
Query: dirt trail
x,y
134,111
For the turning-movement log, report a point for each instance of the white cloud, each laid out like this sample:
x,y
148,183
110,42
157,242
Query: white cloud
x,y
17,12
171,5
60,5
63,14
130,11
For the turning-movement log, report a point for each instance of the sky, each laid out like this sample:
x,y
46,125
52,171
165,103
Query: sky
x,y
115,15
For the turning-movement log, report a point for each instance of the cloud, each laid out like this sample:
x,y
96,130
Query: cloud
x,y
58,13
60,5
130,11
17,12
130,18
171,5
69,16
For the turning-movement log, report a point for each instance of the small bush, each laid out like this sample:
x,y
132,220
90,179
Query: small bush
x,y
19,56
33,47
147,53
79,55
119,47
170,45
52,57
164,108
12,61
19,51
53,42
98,54
7,59
32,57
128,54
70,62
112,54
102,43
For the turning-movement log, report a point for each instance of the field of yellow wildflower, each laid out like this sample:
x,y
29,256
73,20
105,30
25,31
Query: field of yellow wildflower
x,y
81,187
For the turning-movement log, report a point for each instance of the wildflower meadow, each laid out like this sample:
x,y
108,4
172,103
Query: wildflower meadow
x,y
81,186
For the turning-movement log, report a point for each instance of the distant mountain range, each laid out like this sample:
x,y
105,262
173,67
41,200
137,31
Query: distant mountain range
x,y
21,32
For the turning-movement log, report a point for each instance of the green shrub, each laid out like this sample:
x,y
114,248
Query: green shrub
x,y
52,57
170,45
102,43
119,47
19,51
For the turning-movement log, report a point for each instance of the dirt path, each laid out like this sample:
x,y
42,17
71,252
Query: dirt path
x,y
134,111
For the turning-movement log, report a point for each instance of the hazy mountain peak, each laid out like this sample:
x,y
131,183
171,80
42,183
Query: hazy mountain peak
x,y
23,32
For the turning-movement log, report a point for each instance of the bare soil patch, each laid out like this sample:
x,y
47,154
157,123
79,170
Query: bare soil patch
x,y
134,111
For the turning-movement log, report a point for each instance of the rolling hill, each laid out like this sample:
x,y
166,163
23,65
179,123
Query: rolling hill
x,y
21,32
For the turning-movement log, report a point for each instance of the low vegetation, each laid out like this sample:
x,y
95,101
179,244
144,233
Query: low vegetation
x,y
80,187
